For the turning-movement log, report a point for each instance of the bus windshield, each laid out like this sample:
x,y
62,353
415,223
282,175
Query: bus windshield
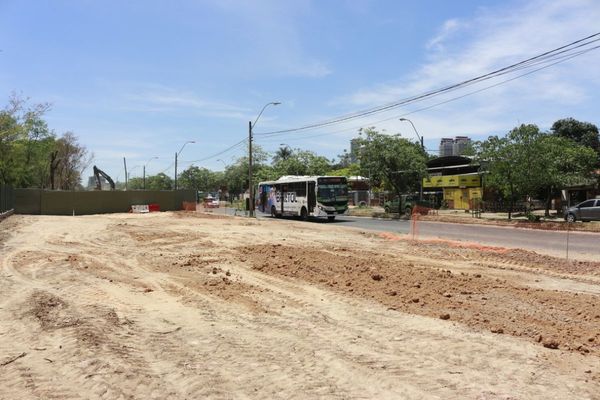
x,y
332,191
331,188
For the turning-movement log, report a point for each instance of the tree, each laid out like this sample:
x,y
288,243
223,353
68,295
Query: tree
x,y
301,162
159,182
527,162
583,133
200,179
236,174
74,158
396,163
566,163
25,142
282,153
30,153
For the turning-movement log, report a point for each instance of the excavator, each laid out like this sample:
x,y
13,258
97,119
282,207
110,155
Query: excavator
x,y
97,173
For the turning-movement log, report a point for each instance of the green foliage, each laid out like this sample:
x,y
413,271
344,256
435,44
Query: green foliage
x,y
31,155
201,179
350,170
136,183
527,161
159,182
583,133
395,163
300,162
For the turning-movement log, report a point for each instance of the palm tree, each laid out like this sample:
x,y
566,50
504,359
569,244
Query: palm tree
x,y
283,154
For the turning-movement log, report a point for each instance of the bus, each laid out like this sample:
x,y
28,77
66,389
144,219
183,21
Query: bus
x,y
304,196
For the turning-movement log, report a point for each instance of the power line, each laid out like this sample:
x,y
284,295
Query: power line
x,y
560,60
233,146
545,57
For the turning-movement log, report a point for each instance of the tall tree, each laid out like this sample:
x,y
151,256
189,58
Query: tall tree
x,y
301,162
283,153
392,161
74,158
160,181
583,133
527,162
200,179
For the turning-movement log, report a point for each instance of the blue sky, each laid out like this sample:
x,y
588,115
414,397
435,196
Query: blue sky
x,y
138,79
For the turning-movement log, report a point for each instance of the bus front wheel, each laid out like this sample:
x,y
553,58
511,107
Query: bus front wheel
x,y
303,214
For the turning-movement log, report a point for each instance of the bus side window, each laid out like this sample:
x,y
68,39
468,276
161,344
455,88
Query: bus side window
x,y
300,189
312,198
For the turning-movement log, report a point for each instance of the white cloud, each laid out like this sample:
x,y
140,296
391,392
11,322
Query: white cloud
x,y
492,39
449,27
157,98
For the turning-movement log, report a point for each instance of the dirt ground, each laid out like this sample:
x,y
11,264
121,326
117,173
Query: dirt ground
x,y
195,306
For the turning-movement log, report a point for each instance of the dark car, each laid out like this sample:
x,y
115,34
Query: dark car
x,y
589,210
404,204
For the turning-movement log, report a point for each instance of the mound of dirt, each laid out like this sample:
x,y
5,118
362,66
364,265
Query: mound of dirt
x,y
566,320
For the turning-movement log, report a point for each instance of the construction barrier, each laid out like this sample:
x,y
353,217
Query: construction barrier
x,y
7,199
47,202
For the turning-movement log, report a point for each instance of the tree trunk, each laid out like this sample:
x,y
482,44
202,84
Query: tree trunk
x,y
53,166
548,202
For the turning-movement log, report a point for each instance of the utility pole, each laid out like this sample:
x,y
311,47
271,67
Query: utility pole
x,y
125,165
175,171
144,177
250,194
176,155
250,184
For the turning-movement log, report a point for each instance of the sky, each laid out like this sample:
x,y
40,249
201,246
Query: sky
x,y
139,79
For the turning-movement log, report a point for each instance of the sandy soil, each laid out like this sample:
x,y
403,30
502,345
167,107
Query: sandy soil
x,y
194,306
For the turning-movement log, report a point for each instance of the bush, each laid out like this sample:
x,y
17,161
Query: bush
x,y
532,217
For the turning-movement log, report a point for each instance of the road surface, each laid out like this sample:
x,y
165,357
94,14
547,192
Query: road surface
x,y
585,245
582,245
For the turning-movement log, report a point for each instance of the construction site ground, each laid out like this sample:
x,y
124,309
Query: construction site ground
x,y
191,305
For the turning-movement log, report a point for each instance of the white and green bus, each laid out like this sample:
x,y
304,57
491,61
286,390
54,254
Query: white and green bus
x,y
304,196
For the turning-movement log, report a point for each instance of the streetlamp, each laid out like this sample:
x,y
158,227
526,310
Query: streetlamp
x,y
177,155
224,164
147,162
422,148
131,170
250,184
418,136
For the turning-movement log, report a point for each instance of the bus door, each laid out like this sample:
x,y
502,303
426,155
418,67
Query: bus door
x,y
284,190
263,198
312,197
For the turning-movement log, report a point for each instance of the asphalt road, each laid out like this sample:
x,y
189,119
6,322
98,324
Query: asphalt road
x,y
582,245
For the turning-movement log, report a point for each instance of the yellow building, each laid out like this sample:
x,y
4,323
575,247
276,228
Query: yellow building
x,y
457,179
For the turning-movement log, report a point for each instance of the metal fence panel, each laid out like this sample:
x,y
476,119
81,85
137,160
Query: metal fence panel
x,y
7,199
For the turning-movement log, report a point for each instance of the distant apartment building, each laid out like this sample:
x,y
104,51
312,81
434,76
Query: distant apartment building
x,y
454,146
354,149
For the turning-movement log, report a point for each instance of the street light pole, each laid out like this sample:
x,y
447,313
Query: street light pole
x,y
415,129
176,156
422,148
144,174
250,183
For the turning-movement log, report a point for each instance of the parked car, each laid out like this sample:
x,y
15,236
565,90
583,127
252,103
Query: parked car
x,y
589,210
404,204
